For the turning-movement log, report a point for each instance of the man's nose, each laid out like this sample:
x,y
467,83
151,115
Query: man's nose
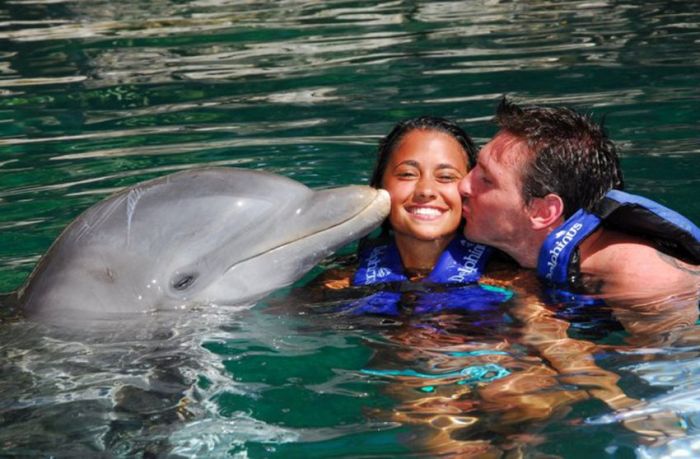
x,y
465,185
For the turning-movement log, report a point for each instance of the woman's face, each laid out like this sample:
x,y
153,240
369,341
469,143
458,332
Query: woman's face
x,y
422,176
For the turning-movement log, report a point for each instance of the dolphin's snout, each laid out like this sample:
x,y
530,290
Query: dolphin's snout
x,y
383,202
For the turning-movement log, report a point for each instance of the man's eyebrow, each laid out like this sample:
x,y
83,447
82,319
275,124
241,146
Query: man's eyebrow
x,y
482,164
485,170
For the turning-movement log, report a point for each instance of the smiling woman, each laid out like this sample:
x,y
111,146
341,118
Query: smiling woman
x,y
420,163
421,177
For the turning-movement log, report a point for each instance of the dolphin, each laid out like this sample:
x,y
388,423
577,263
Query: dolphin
x,y
210,236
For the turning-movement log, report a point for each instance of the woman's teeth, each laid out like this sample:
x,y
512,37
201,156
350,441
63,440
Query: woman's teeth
x,y
426,211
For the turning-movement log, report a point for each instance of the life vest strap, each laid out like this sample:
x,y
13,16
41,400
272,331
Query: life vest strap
x,y
670,231
629,213
462,262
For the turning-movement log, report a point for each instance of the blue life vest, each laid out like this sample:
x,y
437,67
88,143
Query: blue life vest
x,y
670,231
462,262
474,298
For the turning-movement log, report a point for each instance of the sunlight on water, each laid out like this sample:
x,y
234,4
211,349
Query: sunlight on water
x,y
99,95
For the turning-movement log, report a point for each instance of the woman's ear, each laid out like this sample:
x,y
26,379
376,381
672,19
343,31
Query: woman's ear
x,y
546,211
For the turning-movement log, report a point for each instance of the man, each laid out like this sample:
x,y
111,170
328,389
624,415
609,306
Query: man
x,y
545,190
547,165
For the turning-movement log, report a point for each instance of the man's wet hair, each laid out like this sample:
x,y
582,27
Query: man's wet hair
x,y
424,123
570,154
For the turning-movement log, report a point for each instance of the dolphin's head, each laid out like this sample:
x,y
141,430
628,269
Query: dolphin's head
x,y
209,236
278,235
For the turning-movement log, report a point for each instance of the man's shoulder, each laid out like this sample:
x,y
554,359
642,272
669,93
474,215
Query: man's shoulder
x,y
650,291
628,259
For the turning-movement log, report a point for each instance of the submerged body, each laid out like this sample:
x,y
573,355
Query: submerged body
x,y
217,236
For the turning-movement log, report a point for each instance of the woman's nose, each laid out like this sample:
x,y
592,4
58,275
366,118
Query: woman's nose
x,y
425,189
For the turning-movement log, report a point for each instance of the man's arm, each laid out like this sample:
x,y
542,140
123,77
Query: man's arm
x,y
537,393
533,394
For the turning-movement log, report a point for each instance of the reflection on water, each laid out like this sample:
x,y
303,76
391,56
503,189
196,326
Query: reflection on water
x,y
98,95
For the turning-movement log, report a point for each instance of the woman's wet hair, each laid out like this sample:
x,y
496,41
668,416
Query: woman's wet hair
x,y
570,155
424,123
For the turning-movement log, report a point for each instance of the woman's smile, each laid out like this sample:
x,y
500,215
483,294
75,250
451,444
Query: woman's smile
x,y
428,213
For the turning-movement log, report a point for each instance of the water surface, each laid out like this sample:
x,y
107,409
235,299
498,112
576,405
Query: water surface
x,y
99,95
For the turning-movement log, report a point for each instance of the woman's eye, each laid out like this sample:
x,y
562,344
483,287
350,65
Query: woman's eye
x,y
448,178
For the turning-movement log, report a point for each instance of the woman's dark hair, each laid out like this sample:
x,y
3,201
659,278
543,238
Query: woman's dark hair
x,y
425,123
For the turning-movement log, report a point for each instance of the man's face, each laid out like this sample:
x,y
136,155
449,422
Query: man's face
x,y
493,206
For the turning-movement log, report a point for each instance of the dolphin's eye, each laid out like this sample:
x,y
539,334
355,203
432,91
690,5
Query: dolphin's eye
x,y
183,281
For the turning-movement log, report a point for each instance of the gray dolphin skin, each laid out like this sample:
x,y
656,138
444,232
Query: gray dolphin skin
x,y
213,236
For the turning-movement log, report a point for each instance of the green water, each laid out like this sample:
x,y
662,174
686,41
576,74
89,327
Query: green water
x,y
99,95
